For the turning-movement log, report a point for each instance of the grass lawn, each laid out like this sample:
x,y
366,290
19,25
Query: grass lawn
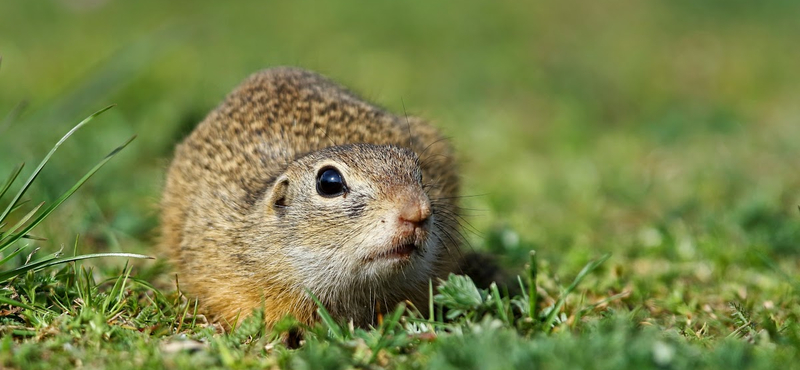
x,y
648,152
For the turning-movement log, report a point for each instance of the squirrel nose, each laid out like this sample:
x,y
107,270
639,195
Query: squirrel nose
x,y
416,211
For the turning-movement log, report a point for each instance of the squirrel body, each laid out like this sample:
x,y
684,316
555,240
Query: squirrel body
x,y
295,185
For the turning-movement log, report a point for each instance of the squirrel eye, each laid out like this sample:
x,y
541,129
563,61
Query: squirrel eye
x,y
330,183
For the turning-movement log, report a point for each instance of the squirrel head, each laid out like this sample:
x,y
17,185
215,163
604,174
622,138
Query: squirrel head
x,y
356,211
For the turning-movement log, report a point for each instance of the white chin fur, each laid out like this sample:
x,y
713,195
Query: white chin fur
x,y
345,270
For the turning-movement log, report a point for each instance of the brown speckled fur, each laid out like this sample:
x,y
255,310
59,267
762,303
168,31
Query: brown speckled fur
x,y
236,250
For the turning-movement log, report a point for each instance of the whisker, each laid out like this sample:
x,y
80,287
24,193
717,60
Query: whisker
x,y
463,196
408,125
424,163
454,242
443,139
458,220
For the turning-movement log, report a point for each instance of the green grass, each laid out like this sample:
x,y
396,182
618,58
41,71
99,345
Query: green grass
x,y
664,134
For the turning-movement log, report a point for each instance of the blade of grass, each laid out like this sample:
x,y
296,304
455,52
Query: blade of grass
x,y
591,266
182,318
12,116
393,320
3,224
14,174
21,222
225,354
326,317
532,293
110,306
11,302
430,300
606,300
768,262
47,262
12,255
85,285
194,313
46,159
386,330
64,196
140,282
498,299
19,205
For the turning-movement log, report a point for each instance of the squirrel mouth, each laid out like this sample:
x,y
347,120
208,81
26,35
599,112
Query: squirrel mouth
x,y
400,252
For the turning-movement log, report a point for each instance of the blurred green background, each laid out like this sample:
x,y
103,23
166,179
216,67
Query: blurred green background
x,y
666,132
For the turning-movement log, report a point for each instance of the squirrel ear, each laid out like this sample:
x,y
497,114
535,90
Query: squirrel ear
x,y
279,197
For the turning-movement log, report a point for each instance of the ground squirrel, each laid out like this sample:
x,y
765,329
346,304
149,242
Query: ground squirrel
x,y
294,185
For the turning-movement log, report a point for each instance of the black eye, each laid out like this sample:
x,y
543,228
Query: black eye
x,y
330,183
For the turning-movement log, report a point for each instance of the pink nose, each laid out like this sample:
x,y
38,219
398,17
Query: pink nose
x,y
416,211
